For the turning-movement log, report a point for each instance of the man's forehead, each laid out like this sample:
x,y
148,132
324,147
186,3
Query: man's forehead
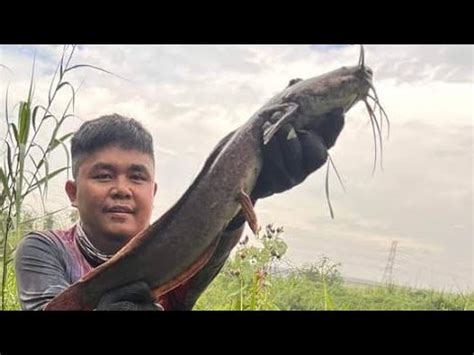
x,y
120,158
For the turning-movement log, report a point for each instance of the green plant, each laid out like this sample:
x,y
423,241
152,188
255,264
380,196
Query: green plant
x,y
25,167
245,282
317,286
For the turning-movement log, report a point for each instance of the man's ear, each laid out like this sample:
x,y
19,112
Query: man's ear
x,y
71,191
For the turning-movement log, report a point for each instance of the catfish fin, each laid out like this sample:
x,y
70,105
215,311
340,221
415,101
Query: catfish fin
x,y
248,211
270,130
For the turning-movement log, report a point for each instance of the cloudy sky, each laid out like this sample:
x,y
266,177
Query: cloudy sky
x,y
191,96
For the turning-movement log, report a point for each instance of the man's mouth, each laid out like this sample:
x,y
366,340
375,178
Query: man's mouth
x,y
119,209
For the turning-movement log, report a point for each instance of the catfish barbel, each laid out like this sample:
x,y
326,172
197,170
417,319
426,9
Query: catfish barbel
x,y
179,243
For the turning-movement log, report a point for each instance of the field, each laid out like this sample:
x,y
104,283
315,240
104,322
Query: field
x,y
247,281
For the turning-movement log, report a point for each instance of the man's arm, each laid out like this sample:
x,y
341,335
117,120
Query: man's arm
x,y
40,272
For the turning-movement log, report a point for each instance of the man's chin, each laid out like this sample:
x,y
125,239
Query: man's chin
x,y
120,233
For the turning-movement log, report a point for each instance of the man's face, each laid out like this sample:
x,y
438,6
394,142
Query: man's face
x,y
114,192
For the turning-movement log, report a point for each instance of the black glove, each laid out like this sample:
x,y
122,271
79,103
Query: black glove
x,y
287,162
135,296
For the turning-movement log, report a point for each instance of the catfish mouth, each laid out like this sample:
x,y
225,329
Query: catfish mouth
x,y
356,99
364,76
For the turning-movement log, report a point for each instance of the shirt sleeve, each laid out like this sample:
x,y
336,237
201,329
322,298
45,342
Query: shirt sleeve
x,y
40,271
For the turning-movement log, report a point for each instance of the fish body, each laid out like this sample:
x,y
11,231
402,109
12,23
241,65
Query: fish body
x,y
178,244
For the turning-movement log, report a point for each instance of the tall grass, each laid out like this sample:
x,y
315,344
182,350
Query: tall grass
x,y
26,169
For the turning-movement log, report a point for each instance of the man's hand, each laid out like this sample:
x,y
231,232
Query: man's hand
x,y
135,296
287,162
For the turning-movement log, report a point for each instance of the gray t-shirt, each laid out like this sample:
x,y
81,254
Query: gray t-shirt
x,y
46,263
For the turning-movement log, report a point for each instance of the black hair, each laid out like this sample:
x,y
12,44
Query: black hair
x,y
109,130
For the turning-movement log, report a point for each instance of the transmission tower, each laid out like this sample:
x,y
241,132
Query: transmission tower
x,y
388,272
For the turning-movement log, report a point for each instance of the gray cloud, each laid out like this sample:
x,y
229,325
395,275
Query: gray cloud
x,y
415,63
191,96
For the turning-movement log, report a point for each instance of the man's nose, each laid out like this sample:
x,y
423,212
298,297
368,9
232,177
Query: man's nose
x,y
121,189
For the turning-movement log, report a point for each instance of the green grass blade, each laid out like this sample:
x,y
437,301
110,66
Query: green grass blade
x,y
96,68
7,68
50,96
24,122
4,181
15,134
31,89
57,141
10,168
34,219
44,180
33,117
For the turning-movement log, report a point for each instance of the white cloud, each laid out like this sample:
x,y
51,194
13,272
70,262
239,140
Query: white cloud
x,y
191,96
423,63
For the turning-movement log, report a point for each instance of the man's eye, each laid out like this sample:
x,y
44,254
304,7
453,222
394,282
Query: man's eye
x,y
103,176
138,177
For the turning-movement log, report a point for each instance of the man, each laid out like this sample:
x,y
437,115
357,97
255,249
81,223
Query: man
x,y
113,190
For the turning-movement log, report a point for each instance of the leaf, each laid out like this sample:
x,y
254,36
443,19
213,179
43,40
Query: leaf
x,y
70,55
96,68
66,83
24,122
3,196
51,84
15,134
10,163
33,117
44,180
59,141
31,89
43,216
47,112
38,166
4,181
33,178
6,106
7,68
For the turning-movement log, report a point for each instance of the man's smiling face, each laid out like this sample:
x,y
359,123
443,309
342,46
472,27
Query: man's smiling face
x,y
114,192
